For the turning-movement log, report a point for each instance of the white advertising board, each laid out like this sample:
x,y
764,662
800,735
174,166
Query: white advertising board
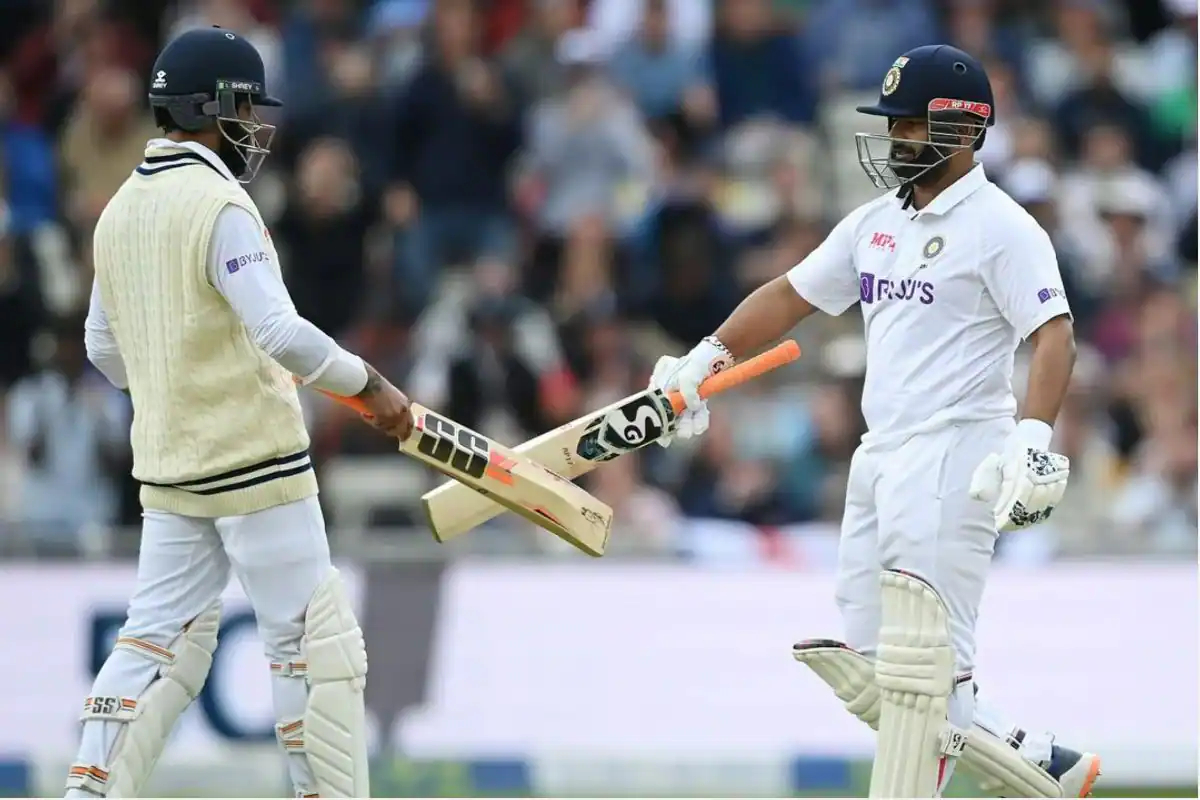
x,y
59,623
619,661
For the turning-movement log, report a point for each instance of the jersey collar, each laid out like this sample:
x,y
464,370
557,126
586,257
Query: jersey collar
x,y
211,158
955,193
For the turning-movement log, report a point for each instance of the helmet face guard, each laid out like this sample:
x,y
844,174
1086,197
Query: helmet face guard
x,y
953,125
248,139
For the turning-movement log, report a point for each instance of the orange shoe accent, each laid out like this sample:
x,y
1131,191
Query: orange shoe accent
x,y
1090,781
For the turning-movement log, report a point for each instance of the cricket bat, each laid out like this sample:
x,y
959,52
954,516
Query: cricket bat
x,y
578,447
501,476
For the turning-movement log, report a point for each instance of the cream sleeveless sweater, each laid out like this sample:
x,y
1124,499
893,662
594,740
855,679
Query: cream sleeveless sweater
x,y
217,425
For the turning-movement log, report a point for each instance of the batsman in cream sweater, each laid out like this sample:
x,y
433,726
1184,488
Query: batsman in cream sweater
x,y
189,313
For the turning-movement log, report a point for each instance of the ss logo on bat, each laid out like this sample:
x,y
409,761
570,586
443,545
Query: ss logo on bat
x,y
461,449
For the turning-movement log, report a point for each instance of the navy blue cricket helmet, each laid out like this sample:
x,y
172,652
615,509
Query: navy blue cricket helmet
x,y
201,79
942,85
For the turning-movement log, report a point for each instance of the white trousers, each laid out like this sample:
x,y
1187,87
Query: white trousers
x,y
908,507
279,555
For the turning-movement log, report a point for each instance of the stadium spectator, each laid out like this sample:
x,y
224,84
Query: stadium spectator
x,y
853,42
20,302
530,58
456,128
689,23
759,70
513,204
663,78
587,147
71,429
106,133
322,237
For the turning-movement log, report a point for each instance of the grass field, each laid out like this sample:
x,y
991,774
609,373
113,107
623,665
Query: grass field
x,y
402,778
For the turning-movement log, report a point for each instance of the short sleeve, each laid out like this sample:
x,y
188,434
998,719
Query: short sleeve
x,y
1024,280
826,277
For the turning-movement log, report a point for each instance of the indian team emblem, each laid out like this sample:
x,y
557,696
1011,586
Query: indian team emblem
x,y
934,247
891,81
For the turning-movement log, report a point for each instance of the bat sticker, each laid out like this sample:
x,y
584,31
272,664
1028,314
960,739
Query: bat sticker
x,y
460,449
642,420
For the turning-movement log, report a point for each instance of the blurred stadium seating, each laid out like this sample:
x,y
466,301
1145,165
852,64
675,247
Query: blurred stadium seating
x,y
512,208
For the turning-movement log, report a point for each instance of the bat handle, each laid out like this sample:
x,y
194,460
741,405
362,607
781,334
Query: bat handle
x,y
783,353
353,403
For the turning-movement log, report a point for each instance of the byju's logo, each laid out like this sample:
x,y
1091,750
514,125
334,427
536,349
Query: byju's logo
x,y
871,289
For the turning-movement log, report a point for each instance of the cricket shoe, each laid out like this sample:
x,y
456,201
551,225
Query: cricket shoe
x,y
1075,772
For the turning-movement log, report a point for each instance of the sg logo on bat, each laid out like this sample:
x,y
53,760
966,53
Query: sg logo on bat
x,y
642,420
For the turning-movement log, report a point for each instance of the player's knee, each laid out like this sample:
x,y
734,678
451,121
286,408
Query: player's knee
x,y
333,641
282,626
914,656
184,654
282,641
326,644
157,629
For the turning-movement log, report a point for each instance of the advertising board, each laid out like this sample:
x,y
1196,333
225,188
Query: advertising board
x,y
61,623
664,661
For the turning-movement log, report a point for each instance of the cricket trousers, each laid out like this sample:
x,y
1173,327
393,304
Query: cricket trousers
x,y
279,555
908,507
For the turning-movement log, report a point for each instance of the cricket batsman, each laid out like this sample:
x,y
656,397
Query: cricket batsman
x,y
189,313
951,274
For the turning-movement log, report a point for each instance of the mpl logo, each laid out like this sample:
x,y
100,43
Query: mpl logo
x,y
883,241
871,289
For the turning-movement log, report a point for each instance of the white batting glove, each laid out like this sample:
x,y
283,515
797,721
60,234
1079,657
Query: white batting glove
x,y
685,376
1026,481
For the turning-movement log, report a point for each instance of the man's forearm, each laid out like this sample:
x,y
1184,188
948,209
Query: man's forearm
x,y
764,317
307,352
1050,369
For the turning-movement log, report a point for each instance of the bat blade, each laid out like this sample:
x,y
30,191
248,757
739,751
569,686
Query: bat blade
x,y
579,446
495,476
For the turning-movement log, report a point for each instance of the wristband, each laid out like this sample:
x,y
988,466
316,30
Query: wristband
x,y
717,343
1035,434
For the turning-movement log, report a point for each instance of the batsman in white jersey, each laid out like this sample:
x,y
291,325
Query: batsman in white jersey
x,y
950,275
189,313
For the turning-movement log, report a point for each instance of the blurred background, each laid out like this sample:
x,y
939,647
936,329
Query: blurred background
x,y
512,208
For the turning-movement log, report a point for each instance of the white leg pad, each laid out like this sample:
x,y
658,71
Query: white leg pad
x,y
148,720
333,733
915,674
1000,769
1003,771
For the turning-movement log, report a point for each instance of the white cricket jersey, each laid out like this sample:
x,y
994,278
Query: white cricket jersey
x,y
947,294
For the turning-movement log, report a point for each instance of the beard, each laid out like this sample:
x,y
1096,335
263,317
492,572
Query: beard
x,y
230,154
919,164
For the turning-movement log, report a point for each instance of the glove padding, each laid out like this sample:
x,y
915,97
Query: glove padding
x,y
1023,484
685,376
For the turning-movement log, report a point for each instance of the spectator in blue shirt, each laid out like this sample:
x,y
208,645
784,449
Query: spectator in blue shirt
x,y
855,41
656,72
759,69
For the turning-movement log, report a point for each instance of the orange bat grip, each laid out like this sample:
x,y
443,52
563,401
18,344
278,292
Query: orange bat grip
x,y
350,402
777,356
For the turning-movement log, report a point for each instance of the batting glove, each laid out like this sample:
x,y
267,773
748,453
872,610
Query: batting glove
x,y
1026,481
685,376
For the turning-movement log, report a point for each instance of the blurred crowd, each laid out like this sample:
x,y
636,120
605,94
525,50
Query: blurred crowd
x,y
513,207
